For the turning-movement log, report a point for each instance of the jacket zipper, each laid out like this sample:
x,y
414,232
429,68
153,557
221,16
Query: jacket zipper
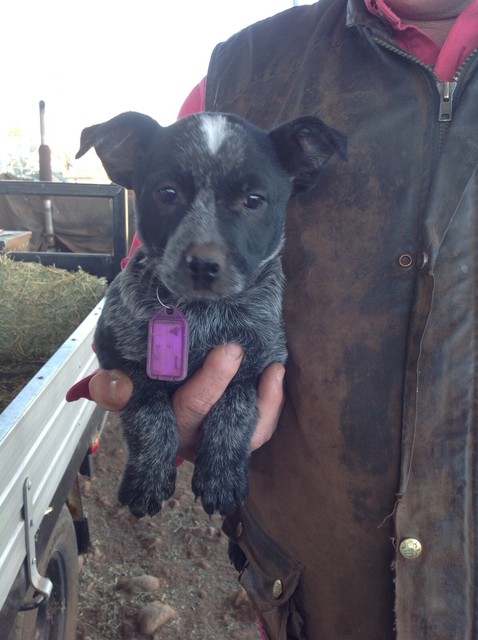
x,y
446,90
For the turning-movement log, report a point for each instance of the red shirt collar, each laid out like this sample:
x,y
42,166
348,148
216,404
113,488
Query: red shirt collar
x,y
461,42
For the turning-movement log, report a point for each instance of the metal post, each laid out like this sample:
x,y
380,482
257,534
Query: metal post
x,y
46,174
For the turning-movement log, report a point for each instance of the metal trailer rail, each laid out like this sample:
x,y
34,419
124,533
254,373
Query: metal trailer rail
x,y
39,434
98,264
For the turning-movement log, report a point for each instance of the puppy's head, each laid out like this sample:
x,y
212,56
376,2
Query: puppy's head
x,y
211,191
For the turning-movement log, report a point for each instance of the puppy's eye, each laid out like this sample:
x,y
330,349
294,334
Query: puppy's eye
x,y
166,195
253,201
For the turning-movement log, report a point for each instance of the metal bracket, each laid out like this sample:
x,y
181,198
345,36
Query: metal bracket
x,y
41,584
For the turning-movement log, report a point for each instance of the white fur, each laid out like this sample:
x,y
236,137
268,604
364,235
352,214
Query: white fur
x,y
215,130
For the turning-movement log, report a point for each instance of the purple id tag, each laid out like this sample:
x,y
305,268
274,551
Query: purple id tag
x,y
168,345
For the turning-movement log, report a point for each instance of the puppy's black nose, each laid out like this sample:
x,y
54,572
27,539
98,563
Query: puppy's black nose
x,y
202,269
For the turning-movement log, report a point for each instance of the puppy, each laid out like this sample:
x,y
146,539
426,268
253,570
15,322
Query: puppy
x,y
211,195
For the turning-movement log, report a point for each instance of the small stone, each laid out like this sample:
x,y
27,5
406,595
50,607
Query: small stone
x,y
228,619
154,615
105,502
150,544
86,488
143,583
239,598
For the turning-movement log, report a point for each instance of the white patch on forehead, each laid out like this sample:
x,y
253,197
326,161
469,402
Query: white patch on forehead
x,y
215,130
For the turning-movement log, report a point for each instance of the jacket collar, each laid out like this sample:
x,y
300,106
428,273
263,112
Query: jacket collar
x,y
359,16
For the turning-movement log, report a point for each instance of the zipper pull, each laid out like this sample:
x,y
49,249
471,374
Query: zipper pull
x,y
446,90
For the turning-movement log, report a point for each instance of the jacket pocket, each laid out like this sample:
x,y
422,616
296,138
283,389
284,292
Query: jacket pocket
x,y
268,573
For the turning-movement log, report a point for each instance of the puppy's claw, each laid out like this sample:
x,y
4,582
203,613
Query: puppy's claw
x,y
218,494
139,510
145,496
224,508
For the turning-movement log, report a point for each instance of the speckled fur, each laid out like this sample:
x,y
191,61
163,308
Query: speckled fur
x,y
215,162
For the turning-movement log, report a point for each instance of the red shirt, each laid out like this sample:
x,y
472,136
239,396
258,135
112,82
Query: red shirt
x,y
460,43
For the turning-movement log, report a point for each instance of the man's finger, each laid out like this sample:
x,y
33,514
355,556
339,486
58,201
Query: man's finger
x,y
193,401
270,399
111,389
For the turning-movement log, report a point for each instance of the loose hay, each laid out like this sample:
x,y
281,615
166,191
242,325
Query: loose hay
x,y
39,308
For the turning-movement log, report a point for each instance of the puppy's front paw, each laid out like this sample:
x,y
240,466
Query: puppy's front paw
x,y
220,492
144,490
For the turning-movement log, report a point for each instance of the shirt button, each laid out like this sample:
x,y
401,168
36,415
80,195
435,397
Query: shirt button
x,y
405,260
410,548
277,588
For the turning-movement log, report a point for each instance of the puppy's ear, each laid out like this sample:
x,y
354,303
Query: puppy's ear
x,y
304,146
120,144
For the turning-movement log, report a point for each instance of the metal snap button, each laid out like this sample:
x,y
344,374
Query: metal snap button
x,y
423,260
405,260
410,548
277,588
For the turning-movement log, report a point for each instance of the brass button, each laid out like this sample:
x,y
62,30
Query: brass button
x,y
410,548
277,588
239,529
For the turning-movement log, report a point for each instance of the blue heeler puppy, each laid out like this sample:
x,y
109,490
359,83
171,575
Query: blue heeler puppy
x,y
211,196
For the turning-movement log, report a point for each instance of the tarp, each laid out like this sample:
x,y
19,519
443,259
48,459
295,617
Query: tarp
x,y
81,225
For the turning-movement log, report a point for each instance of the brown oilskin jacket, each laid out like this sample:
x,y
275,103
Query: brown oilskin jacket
x,y
378,438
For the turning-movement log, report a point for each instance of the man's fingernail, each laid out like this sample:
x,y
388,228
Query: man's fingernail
x,y
280,373
234,350
113,387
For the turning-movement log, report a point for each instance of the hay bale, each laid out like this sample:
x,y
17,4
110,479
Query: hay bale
x,y
41,306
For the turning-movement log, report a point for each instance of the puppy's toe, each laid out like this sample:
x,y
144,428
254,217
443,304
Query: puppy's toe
x,y
150,504
143,494
138,501
143,503
223,504
220,494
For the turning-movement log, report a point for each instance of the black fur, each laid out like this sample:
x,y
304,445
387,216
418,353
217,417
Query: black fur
x,y
211,193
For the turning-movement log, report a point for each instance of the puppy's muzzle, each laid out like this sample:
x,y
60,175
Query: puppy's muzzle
x,y
205,264
203,270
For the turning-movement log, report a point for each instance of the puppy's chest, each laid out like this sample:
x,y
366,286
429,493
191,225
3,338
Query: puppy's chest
x,y
208,325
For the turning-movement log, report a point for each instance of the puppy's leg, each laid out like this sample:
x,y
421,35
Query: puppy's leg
x,y
150,431
221,469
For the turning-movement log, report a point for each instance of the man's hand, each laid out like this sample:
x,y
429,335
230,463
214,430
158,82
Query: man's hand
x,y
112,389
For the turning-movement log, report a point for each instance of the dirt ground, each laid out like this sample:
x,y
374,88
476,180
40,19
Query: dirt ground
x,y
164,578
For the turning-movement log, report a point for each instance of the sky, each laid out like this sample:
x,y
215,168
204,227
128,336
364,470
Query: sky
x,y
93,59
